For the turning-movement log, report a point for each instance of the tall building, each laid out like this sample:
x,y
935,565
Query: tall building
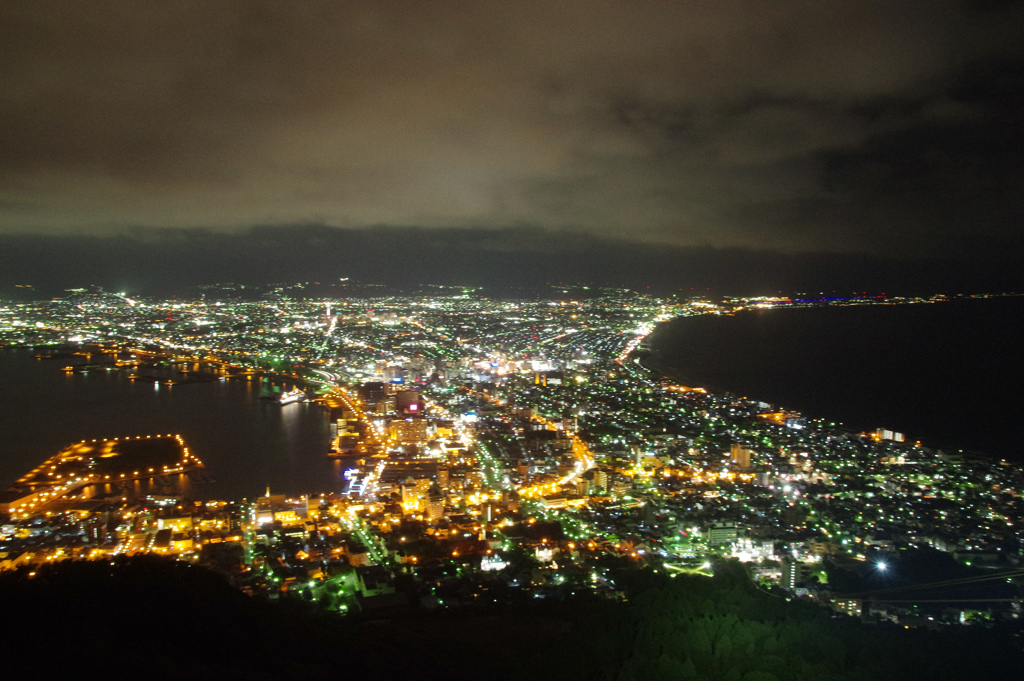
x,y
372,392
791,573
409,431
740,456
435,506
409,403
414,494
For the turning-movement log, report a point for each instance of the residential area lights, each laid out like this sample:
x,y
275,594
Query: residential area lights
x,y
479,439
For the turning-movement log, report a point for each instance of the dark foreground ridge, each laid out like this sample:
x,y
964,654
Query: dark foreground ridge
x,y
153,618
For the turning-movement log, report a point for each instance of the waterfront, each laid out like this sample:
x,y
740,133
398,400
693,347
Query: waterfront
x,y
245,442
528,419
945,373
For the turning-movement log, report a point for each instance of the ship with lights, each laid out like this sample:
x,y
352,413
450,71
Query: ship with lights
x,y
292,396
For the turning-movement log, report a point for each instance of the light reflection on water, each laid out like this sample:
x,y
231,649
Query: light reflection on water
x,y
165,485
246,442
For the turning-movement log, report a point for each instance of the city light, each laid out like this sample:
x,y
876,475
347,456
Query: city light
x,y
472,431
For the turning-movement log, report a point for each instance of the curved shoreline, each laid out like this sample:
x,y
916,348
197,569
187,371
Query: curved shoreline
x,y
653,361
844,369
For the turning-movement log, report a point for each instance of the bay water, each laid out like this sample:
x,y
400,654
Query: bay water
x,y
246,442
948,374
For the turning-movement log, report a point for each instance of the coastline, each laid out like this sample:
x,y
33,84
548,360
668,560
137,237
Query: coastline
x,y
653,360
245,442
944,375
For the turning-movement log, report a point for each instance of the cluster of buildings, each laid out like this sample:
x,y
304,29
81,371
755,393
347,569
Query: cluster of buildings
x,y
498,449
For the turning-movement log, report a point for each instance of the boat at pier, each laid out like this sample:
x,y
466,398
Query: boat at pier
x,y
292,396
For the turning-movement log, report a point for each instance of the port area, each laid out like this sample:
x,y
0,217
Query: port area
x,y
86,467
169,369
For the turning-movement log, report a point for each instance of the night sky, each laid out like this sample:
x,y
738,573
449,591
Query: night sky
x,y
737,145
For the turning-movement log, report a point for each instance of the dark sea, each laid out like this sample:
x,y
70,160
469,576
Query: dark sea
x,y
949,374
245,442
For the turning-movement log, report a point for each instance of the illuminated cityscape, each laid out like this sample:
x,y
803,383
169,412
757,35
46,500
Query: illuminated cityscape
x,y
580,340
498,450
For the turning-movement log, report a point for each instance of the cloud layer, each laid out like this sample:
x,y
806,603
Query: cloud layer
x,y
857,126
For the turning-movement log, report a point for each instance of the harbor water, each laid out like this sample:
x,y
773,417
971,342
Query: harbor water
x,y
247,443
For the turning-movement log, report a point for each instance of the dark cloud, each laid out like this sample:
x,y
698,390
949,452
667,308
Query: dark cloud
x,y
162,261
864,126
